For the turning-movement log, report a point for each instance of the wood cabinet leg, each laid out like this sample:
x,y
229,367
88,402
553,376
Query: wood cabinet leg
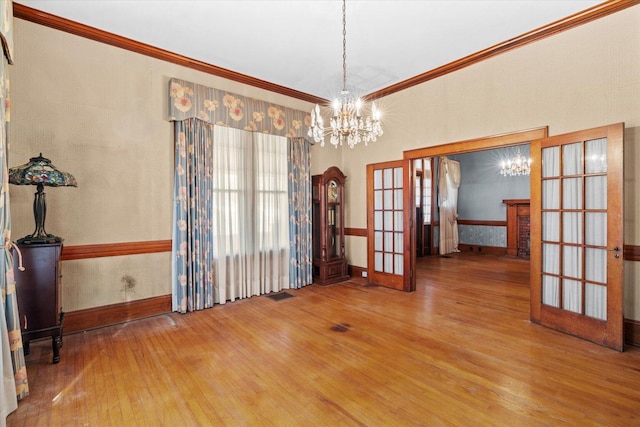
x,y
56,343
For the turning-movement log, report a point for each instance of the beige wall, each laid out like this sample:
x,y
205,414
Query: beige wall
x,y
99,112
86,105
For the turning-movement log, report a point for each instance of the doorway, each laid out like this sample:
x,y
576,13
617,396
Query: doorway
x,y
589,305
424,195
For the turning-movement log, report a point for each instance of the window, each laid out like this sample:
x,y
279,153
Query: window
x,y
250,211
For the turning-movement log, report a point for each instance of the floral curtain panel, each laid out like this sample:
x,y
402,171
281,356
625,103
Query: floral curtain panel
x,y
192,235
14,373
300,268
190,100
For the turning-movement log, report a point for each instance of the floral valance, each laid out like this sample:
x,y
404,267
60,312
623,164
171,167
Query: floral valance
x,y
190,100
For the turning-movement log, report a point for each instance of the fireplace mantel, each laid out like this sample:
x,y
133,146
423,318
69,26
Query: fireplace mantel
x,y
518,214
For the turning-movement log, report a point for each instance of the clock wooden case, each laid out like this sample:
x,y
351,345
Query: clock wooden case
x,y
329,262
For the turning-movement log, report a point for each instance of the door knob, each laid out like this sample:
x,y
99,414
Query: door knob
x,y
616,250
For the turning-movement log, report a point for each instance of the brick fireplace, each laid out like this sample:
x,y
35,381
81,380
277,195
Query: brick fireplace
x,y
518,227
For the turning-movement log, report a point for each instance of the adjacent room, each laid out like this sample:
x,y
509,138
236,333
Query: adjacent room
x,y
319,213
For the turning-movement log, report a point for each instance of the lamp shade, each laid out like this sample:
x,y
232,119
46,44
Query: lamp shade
x,y
39,170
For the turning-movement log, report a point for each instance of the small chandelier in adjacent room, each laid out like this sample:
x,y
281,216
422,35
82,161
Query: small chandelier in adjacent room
x,y
347,122
518,165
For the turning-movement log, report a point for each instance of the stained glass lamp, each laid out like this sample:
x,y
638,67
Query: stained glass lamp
x,y
39,171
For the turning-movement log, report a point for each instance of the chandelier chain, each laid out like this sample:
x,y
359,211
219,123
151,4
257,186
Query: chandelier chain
x,y
344,45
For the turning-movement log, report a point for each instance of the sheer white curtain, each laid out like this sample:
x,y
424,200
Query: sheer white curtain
x,y
572,228
596,228
551,226
250,214
448,183
563,255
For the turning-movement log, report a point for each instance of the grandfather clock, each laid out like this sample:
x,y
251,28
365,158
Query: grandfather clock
x,y
329,262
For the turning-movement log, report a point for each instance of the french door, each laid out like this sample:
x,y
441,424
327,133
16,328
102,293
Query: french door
x,y
577,234
390,260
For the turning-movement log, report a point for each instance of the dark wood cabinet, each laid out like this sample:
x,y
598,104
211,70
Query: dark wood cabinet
x,y
329,262
38,294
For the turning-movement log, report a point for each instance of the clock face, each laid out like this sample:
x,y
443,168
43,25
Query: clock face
x,y
332,192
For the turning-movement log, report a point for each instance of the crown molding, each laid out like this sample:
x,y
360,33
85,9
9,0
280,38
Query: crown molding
x,y
72,27
572,21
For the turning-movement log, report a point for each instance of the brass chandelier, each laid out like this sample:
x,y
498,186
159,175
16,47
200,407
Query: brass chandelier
x,y
348,126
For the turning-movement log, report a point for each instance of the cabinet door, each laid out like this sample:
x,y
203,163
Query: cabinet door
x,y
37,287
334,241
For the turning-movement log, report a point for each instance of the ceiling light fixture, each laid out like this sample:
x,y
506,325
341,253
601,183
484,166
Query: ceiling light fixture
x,y
518,165
347,123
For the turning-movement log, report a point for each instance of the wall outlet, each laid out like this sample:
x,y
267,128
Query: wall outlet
x,y
364,274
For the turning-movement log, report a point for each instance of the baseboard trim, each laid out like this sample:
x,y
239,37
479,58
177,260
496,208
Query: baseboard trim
x,y
91,318
493,250
632,332
355,271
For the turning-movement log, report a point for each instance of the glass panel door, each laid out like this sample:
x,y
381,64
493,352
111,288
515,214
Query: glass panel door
x,y
389,204
577,279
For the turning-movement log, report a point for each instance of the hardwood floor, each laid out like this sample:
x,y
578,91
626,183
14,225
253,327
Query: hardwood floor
x,y
458,351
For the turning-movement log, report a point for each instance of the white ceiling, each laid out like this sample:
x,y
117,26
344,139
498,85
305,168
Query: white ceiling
x,y
298,44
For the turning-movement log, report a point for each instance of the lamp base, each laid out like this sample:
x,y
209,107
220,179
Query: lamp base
x,y
39,240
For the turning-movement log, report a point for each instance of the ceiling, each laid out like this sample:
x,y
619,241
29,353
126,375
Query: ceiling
x,y
298,44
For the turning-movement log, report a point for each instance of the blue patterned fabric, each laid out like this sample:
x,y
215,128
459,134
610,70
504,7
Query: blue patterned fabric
x,y
300,268
192,229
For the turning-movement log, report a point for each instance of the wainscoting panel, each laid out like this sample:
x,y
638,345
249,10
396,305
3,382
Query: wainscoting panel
x,y
483,235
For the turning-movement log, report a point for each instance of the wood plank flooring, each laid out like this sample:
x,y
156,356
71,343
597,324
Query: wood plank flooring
x,y
459,351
